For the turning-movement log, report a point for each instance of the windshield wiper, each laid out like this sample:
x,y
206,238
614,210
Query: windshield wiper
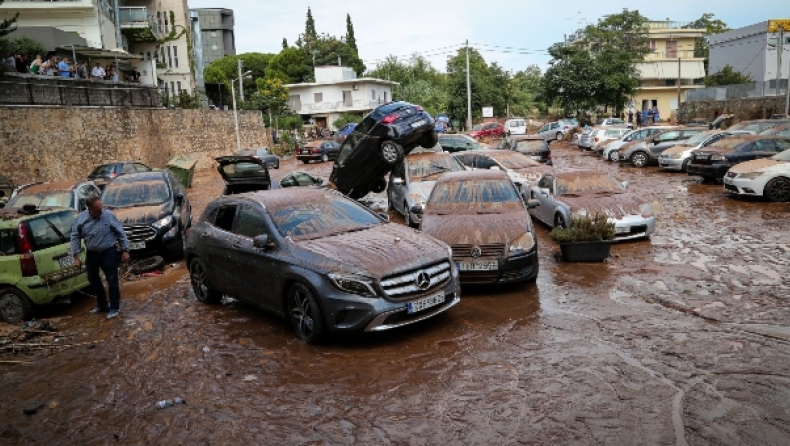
x,y
55,228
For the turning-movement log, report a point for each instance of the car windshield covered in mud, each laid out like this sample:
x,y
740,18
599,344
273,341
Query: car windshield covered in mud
x,y
63,194
321,260
521,169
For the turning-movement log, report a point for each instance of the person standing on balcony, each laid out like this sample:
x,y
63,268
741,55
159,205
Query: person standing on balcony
x,y
98,72
64,68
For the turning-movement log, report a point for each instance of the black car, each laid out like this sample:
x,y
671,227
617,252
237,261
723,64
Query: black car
x,y
713,162
318,151
263,154
243,174
533,146
379,143
298,178
103,174
154,211
459,143
315,257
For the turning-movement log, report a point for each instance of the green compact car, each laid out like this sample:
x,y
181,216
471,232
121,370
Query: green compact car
x,y
35,265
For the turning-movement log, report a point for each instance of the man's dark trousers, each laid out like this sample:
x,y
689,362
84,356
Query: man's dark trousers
x,y
108,262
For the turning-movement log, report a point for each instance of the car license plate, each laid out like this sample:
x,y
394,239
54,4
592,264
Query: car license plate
x,y
536,157
66,262
419,123
136,246
425,303
487,265
701,157
624,230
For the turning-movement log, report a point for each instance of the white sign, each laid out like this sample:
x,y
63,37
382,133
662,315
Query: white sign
x,y
488,112
673,104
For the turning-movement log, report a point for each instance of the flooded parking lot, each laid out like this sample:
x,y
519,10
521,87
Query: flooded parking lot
x,y
681,339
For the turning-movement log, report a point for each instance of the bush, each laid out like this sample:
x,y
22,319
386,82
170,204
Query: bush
x,y
585,229
346,118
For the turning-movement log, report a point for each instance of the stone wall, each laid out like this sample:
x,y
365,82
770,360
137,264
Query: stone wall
x,y
41,144
742,108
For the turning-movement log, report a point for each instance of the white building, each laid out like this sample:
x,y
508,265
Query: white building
x,y
336,91
752,51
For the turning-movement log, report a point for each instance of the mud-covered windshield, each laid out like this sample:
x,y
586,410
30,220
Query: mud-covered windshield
x,y
530,145
696,140
424,168
316,219
474,196
514,160
137,193
243,170
576,184
43,199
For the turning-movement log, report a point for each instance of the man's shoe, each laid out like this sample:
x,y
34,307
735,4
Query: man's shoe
x,y
99,310
112,314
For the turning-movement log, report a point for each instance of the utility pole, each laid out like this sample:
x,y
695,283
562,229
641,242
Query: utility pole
x,y
468,91
677,112
241,82
779,51
781,26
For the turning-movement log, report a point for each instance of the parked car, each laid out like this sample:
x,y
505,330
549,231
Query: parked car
x,y
515,126
65,194
459,143
677,157
572,123
644,152
521,169
780,130
344,131
378,144
605,135
411,182
243,174
105,173
767,177
698,122
532,146
298,178
609,122
487,130
579,193
321,260
484,220
264,154
554,131
758,125
35,262
713,162
6,189
780,116
611,151
318,151
154,211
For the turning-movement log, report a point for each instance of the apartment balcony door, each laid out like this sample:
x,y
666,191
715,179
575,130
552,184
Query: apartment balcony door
x,y
672,49
347,98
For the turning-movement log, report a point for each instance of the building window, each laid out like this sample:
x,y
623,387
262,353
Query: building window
x,y
166,27
319,97
159,21
178,86
172,88
169,58
148,55
652,45
672,49
373,94
175,56
156,56
385,96
347,98
294,102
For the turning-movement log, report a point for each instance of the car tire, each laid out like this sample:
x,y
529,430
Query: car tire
x,y
391,152
639,159
200,283
324,158
15,306
559,221
305,315
379,186
277,166
559,136
407,215
685,167
429,139
614,155
777,189
306,161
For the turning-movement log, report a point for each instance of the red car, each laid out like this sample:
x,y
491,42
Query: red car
x,y
487,130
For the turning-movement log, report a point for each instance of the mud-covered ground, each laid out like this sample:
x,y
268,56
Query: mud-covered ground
x,y
682,339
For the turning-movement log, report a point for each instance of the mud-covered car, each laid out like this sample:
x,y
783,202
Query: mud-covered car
x,y
532,146
411,182
522,170
768,177
264,154
243,174
646,151
713,162
459,143
678,157
300,179
154,211
321,260
65,194
484,220
379,143
35,265
6,189
103,174
779,130
611,151
758,125
579,193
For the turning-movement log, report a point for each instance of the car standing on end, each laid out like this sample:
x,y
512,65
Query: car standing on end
x,y
322,261
377,144
484,220
713,162
768,177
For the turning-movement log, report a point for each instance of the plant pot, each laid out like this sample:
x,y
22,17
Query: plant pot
x,y
597,251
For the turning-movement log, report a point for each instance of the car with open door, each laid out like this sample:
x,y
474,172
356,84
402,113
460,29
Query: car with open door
x,y
243,174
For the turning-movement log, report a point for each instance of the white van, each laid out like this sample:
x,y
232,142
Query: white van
x,y
516,126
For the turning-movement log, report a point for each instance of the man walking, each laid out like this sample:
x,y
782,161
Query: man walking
x,y
101,231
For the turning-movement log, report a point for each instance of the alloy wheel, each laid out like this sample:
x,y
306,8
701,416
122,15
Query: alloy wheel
x,y
639,159
11,307
302,314
778,189
199,282
390,152
614,155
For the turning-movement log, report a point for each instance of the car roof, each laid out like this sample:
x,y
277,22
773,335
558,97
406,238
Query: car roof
x,y
10,214
526,137
426,154
481,174
278,197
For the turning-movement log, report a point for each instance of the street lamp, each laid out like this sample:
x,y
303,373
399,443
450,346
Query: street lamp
x,y
235,112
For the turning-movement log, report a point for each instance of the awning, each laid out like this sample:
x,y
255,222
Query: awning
x,y
689,69
50,37
98,53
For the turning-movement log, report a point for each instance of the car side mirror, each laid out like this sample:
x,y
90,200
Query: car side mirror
x,y
545,191
261,242
532,204
624,184
416,209
397,181
385,217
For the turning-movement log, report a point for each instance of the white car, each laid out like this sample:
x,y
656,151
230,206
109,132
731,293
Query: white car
x,y
767,177
522,170
611,151
515,126
677,158
606,134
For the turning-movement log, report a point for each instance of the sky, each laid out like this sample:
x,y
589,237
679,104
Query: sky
x,y
514,33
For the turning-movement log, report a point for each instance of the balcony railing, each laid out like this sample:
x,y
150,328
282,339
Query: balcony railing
x,y
328,107
137,24
680,54
667,24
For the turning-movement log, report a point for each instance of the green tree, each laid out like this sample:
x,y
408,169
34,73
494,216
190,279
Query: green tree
x,y
347,118
350,39
186,100
571,80
309,26
290,66
727,76
326,49
418,82
29,47
711,26
271,96
488,83
7,26
225,69
523,89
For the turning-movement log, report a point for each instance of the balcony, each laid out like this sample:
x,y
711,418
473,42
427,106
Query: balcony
x,y
674,55
334,107
137,24
44,5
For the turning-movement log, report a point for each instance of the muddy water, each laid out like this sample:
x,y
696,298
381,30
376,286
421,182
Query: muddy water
x,y
682,339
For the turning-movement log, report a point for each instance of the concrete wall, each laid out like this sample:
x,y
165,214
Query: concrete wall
x,y
43,144
742,108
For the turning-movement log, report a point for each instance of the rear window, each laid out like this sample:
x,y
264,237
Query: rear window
x,y
514,160
315,219
51,229
135,193
8,239
243,170
531,145
61,199
104,170
421,168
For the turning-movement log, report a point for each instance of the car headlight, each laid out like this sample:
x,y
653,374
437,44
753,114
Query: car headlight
x,y
453,269
676,156
523,244
352,284
750,175
717,158
163,223
417,200
646,210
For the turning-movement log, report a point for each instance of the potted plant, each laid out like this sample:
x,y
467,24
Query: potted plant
x,y
587,239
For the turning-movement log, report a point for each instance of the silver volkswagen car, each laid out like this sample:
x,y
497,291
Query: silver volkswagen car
x,y
412,181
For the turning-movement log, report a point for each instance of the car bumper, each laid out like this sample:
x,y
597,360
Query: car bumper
x,y
671,163
511,270
312,157
743,186
631,227
708,170
159,246
44,290
584,144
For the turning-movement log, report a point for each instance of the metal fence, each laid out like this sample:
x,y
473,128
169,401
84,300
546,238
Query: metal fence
x,y
54,91
750,90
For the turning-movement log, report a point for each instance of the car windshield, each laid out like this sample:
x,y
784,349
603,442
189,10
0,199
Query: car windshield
x,y
55,198
782,156
135,193
575,184
104,170
696,140
244,170
422,168
474,196
728,143
514,160
331,215
746,126
530,145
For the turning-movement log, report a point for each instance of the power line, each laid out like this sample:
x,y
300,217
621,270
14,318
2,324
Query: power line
x,y
755,56
510,48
